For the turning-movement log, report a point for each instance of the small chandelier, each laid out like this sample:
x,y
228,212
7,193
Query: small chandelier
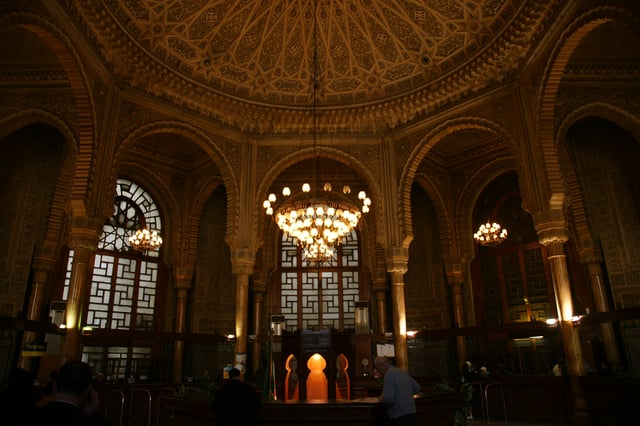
x,y
318,225
490,234
145,239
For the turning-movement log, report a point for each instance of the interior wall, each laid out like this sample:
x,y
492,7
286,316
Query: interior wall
x,y
30,161
606,159
426,290
214,290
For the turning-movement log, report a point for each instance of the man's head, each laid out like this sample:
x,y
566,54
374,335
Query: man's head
x,y
74,378
381,364
234,373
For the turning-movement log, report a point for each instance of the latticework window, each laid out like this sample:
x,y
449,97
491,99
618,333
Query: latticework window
x,y
123,284
317,296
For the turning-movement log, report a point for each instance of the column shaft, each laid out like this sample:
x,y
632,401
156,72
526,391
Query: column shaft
x,y
178,347
399,320
602,305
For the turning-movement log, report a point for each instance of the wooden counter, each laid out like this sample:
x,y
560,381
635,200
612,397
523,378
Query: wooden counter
x,y
433,410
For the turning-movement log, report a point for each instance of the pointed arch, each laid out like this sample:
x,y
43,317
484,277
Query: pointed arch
x,y
458,224
84,118
552,187
188,243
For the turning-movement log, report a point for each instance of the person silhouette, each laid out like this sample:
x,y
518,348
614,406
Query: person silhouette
x,y
74,402
398,389
236,403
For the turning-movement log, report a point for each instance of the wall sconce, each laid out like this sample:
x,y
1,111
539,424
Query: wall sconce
x,y
551,322
231,337
411,334
575,320
87,330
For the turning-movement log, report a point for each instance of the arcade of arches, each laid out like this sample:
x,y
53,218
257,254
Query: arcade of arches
x,y
119,114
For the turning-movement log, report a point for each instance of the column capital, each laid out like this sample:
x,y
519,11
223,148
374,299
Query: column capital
x,y
260,283
455,272
184,277
397,259
379,285
590,254
551,226
85,233
45,257
242,261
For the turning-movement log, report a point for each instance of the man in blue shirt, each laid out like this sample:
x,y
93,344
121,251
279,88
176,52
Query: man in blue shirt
x,y
398,389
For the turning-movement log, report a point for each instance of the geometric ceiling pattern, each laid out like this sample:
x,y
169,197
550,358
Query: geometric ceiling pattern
x,y
362,65
263,50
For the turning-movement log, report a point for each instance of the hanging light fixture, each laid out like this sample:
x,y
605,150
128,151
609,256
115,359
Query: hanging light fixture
x,y
317,220
145,239
318,223
490,234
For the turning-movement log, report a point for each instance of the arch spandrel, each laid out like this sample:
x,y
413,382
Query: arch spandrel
x,y
454,218
625,120
60,208
184,223
373,188
551,192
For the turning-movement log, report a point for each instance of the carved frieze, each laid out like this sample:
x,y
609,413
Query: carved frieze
x,y
259,54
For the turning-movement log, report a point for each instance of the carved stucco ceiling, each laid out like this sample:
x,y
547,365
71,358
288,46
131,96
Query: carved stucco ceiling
x,y
364,55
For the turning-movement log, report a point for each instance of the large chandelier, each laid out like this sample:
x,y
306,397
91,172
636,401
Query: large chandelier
x,y
318,224
317,221
490,234
145,239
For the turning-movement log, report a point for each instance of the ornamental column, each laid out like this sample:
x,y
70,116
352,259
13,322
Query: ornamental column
x,y
84,236
398,260
259,291
379,293
43,263
184,278
242,264
455,278
593,262
551,229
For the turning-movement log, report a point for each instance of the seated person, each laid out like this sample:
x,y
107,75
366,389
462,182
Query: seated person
x,y
73,401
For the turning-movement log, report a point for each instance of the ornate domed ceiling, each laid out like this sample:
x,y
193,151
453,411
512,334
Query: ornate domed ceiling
x,y
266,53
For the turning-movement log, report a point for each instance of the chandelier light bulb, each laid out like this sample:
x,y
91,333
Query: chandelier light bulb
x,y
490,234
317,224
145,239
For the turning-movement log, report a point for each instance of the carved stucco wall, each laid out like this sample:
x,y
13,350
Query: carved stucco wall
x,y
606,160
30,161
214,289
426,292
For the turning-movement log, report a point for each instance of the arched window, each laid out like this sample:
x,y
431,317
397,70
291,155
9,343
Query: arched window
x,y
317,296
124,286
